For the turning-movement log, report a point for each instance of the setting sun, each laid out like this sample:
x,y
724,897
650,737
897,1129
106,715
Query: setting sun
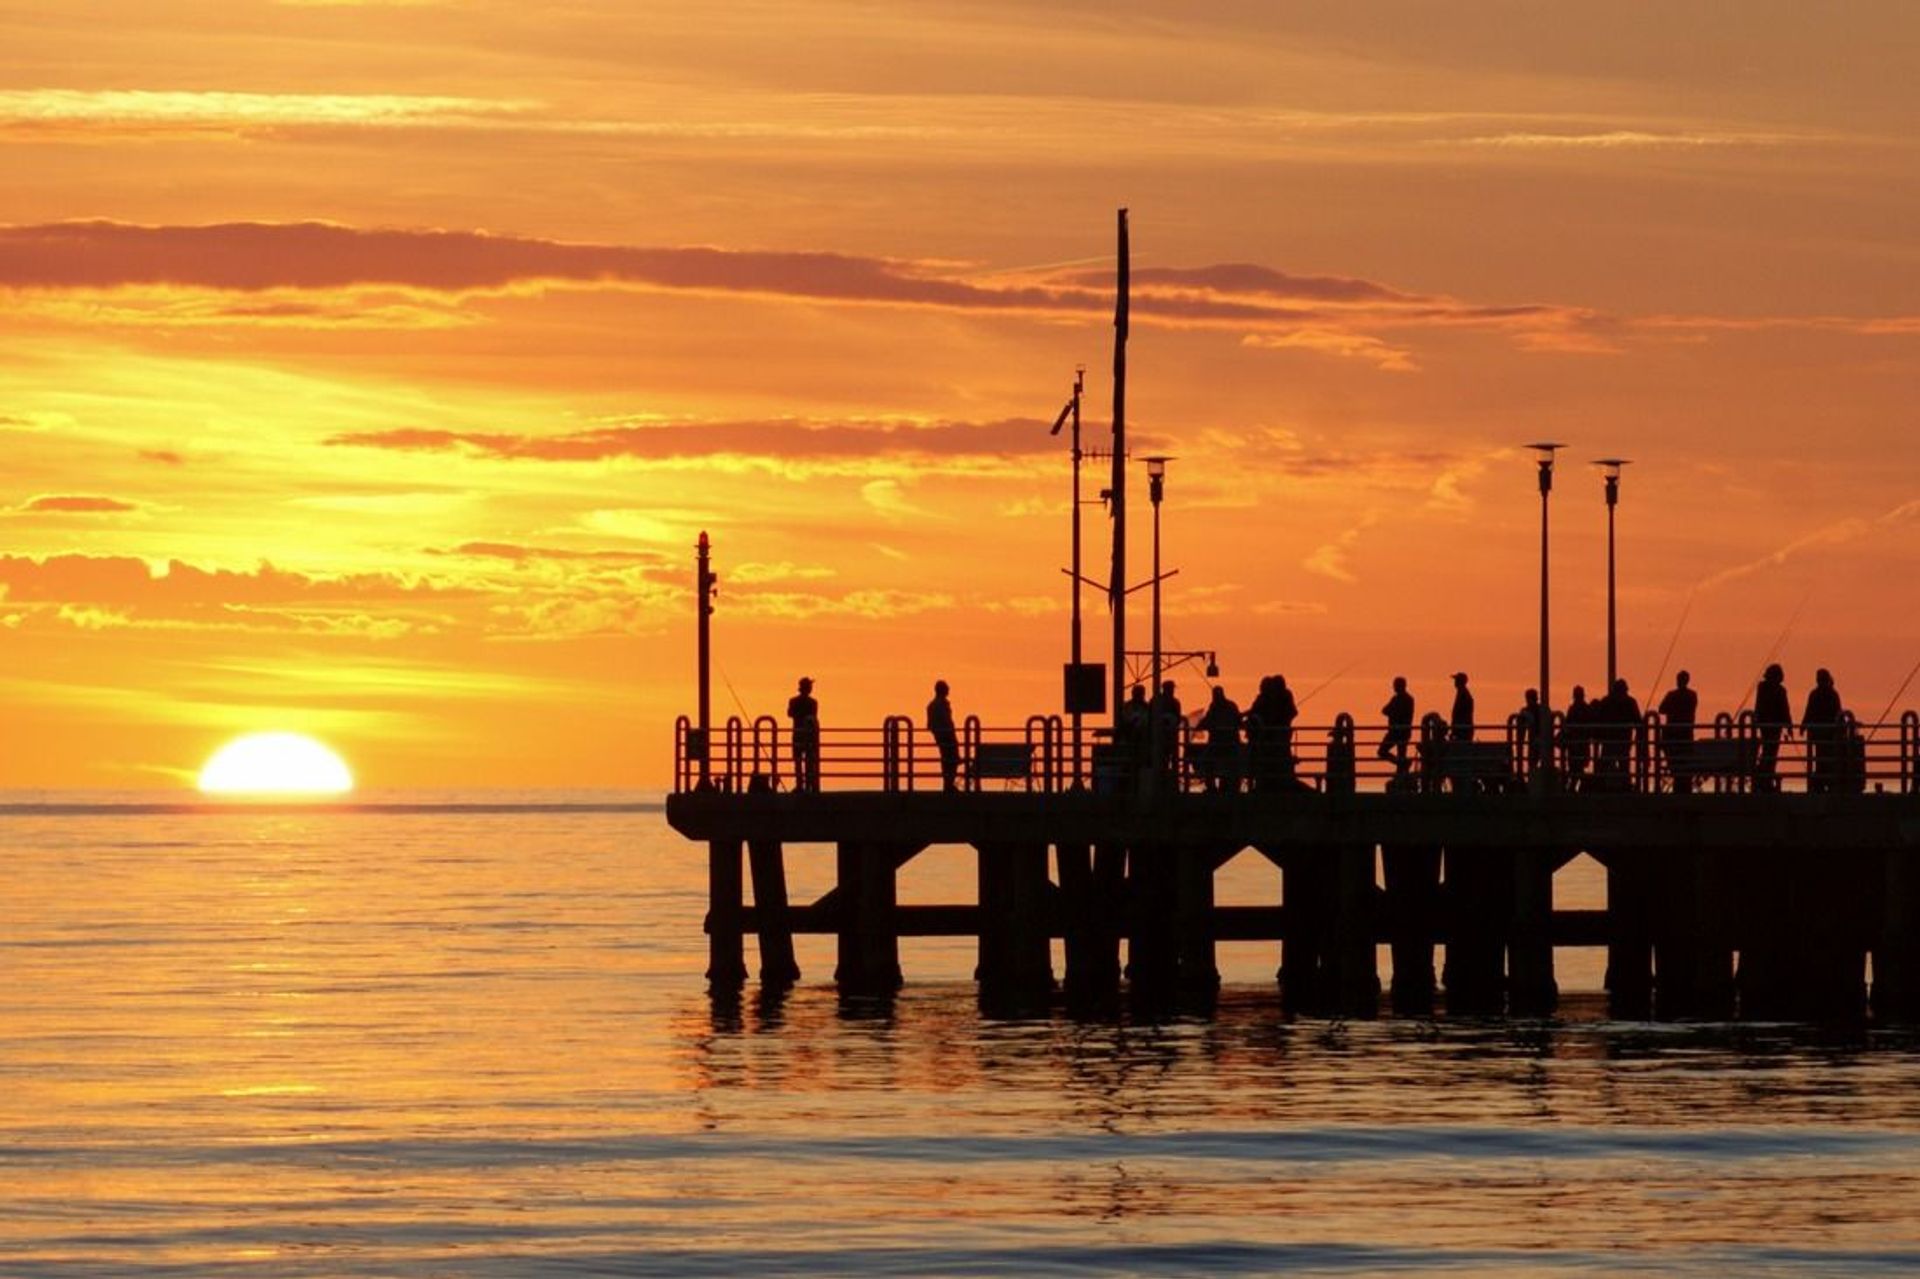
x,y
275,764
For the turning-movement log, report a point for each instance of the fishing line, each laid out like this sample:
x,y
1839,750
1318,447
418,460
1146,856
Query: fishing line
x,y
1773,652
1671,644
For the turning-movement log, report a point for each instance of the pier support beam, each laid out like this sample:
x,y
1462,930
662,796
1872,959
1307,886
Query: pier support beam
x,y
1016,962
1531,988
1896,955
1152,900
1356,963
726,958
1692,938
1412,907
1630,907
868,940
1479,891
1199,973
1803,948
768,862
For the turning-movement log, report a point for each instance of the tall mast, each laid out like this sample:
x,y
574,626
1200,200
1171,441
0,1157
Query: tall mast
x,y
1117,582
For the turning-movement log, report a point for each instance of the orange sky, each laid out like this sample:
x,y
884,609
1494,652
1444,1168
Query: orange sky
x,y
368,369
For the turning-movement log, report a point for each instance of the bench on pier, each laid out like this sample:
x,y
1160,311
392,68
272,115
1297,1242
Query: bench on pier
x,y
1485,766
1001,761
1731,758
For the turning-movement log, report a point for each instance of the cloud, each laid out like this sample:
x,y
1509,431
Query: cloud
x,y
59,111
254,257
518,554
166,457
1627,139
1362,346
78,504
1838,533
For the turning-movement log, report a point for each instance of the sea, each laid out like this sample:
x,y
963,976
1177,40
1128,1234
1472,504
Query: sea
x,y
452,1034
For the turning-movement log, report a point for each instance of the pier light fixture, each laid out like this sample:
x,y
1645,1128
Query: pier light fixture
x,y
1156,491
1546,449
1610,468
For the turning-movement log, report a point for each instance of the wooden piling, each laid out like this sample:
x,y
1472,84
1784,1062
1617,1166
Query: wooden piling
x,y
1354,952
1630,907
868,942
1896,955
1531,988
726,957
1306,907
1152,898
1016,925
1479,889
1073,869
1194,864
1411,903
1692,938
767,860
1803,956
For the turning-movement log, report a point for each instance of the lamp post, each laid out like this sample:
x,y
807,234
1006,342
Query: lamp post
x,y
1611,469
1546,452
1156,489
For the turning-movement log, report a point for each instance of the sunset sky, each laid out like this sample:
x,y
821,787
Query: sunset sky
x,y
369,369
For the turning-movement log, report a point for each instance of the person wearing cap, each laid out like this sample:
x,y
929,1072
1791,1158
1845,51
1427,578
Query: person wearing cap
x,y
805,714
1462,709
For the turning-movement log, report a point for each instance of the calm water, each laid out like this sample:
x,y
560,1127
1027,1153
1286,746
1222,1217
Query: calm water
x,y
478,1043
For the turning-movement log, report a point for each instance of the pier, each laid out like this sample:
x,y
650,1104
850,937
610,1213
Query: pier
x,y
1729,895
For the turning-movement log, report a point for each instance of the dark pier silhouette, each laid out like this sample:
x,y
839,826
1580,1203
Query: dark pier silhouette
x,y
1750,871
1725,896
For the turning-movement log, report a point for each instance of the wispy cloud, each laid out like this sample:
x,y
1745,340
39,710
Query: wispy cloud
x,y
147,110
1839,533
78,504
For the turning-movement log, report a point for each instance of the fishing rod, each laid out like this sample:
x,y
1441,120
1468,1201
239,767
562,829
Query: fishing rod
x,y
1321,687
1671,645
1773,652
1892,701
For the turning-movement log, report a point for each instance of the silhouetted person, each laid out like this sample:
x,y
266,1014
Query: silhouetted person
x,y
1399,713
1616,725
1221,723
805,714
1269,732
1576,737
1820,722
1678,709
1773,718
1135,735
1462,722
1167,723
1528,735
940,726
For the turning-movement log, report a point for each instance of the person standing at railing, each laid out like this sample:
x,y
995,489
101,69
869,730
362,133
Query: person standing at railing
x,y
1528,737
1576,737
1773,718
1135,739
1616,726
1462,722
1270,732
1167,723
940,727
805,714
1221,724
1820,723
1678,710
1399,713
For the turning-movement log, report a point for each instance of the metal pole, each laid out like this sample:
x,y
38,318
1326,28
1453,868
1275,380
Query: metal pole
x,y
1546,487
1613,499
1117,581
703,605
1079,379
1155,482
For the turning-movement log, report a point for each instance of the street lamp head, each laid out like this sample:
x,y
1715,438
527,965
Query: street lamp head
x,y
1612,465
1546,450
1157,466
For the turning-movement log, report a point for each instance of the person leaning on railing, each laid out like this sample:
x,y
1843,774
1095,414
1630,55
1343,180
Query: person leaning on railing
x,y
1773,718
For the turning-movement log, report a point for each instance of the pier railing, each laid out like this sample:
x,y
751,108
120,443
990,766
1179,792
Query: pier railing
x,y
1728,754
